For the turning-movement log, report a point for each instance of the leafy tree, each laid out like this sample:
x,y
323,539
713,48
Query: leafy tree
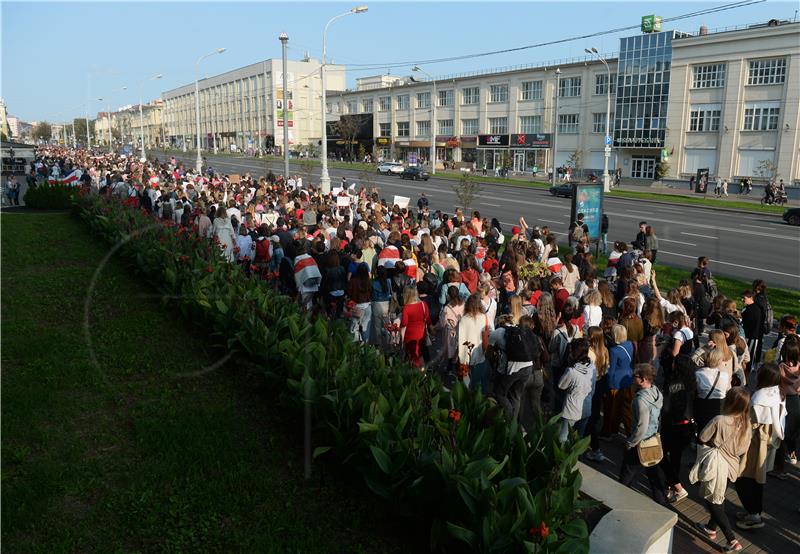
x,y
575,160
80,128
347,128
467,190
662,169
43,130
768,169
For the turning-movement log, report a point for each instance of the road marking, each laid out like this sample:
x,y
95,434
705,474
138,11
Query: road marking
x,y
640,212
677,241
728,263
550,221
492,205
701,236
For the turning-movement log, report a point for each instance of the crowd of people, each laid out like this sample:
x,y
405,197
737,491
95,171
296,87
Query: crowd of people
x,y
540,330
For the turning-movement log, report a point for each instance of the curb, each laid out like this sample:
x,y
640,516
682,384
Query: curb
x,y
528,187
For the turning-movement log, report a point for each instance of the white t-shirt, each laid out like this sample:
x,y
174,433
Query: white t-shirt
x,y
705,378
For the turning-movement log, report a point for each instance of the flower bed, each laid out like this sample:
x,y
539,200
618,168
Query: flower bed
x,y
450,458
45,196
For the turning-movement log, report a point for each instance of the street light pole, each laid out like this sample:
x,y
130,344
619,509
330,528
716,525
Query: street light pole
x,y
434,99
284,38
141,114
607,147
198,164
555,128
325,178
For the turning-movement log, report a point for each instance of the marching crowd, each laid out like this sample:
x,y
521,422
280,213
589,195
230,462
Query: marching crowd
x,y
541,330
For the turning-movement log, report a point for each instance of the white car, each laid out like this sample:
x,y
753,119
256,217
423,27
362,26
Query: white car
x,y
390,168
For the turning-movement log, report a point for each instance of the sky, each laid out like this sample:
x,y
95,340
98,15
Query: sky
x,y
57,56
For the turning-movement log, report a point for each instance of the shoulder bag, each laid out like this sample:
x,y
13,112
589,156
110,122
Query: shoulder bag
x,y
650,451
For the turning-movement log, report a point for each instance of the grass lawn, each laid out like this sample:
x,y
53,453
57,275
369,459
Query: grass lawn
x,y
137,453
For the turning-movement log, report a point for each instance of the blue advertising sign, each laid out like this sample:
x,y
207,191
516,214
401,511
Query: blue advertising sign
x,y
588,200
412,158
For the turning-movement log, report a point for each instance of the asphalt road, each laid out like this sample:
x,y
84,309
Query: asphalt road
x,y
741,245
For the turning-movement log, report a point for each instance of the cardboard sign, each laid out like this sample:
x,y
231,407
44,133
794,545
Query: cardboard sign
x,y
342,201
336,191
401,201
235,179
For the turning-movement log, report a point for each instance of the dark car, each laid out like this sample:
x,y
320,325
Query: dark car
x,y
563,189
792,216
415,174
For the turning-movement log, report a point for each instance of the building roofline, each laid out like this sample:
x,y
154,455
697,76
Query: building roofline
x,y
689,38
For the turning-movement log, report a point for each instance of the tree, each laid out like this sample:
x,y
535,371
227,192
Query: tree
x,y
662,169
307,170
467,190
347,128
42,130
80,128
575,161
768,169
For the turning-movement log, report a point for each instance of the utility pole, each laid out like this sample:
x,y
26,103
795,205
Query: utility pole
x,y
555,128
284,38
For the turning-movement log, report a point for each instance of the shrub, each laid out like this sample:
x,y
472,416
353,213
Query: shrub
x,y
49,197
451,458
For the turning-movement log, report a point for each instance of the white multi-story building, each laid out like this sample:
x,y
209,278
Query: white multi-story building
x,y
245,106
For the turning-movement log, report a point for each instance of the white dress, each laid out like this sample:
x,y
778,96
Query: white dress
x,y
223,230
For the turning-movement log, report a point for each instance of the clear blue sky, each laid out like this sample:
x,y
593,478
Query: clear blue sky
x,y
49,49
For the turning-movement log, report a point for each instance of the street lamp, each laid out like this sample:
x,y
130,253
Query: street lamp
x,y
108,114
325,179
555,129
434,99
284,38
141,116
607,148
198,164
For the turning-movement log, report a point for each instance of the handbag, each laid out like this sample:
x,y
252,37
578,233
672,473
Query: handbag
x,y
650,451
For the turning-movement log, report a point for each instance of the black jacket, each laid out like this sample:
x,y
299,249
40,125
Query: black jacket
x,y
752,321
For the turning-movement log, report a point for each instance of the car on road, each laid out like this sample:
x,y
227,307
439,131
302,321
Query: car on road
x,y
792,216
415,174
561,189
390,168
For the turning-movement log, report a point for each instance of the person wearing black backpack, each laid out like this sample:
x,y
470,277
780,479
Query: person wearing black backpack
x,y
677,424
680,340
520,347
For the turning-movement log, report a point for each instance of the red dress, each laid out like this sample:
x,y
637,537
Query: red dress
x,y
415,320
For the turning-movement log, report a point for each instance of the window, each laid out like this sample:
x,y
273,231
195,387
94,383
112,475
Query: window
x,y
569,86
568,123
601,83
530,124
445,127
384,103
498,125
531,90
469,126
403,102
470,95
445,98
423,100
761,117
423,128
366,105
767,72
498,93
385,129
708,76
599,122
402,128
352,106
704,117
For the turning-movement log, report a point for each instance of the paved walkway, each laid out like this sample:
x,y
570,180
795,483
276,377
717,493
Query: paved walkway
x,y
781,534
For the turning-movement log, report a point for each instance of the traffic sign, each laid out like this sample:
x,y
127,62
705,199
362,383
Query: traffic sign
x,y
608,140
607,150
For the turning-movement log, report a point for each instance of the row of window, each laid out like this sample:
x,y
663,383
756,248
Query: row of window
x,y
762,116
759,72
567,123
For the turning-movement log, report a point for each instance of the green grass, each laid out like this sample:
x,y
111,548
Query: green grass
x,y
133,454
698,201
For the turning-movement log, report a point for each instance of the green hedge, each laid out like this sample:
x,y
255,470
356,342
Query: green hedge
x,y
449,458
50,197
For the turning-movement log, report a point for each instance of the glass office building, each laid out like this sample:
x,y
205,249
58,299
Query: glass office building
x,y
642,98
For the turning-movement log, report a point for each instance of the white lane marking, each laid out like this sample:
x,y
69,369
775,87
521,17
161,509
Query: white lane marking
x,y
640,212
701,236
676,242
728,263
551,221
715,227
492,205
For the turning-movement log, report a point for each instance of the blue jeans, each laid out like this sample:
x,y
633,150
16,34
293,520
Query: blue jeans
x,y
566,424
479,376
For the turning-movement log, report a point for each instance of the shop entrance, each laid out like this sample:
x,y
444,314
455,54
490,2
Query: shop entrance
x,y
643,168
519,162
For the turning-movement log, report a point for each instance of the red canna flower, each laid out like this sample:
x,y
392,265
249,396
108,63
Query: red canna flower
x,y
455,415
542,531
463,371
209,269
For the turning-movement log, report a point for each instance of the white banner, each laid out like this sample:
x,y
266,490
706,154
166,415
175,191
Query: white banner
x,y
401,201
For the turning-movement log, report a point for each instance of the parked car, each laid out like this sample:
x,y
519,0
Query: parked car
x,y
390,168
792,216
415,173
562,189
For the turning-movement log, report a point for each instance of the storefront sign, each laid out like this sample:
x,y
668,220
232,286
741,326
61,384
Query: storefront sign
x,y
651,23
383,141
639,141
469,141
493,140
531,140
588,200
453,143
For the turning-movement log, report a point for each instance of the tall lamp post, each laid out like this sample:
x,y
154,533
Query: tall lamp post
x,y
607,149
434,100
108,115
198,164
141,114
325,178
555,128
284,38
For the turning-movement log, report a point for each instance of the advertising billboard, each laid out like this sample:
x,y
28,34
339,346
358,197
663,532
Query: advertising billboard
x,y
588,200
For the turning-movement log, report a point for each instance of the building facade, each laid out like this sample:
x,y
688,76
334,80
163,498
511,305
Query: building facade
x,y
735,103
244,108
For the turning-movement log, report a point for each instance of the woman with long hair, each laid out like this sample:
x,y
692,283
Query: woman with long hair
x,y
677,427
223,233
617,407
473,339
449,317
718,341
381,295
767,413
592,313
578,384
359,291
598,354
724,440
651,242
414,325
711,385
652,322
632,322
607,305
790,392
558,350
570,275
547,317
